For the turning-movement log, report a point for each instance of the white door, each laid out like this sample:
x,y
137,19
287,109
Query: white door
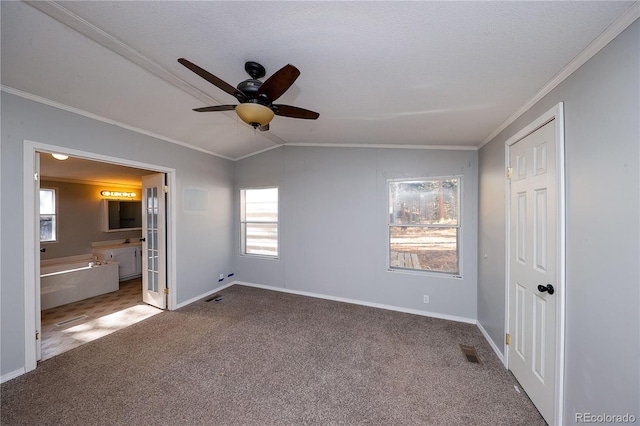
x,y
533,262
38,319
154,246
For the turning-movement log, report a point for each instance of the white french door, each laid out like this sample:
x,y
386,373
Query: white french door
x,y
36,200
154,246
533,242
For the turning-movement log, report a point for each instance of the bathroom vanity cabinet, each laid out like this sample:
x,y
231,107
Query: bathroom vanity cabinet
x,y
128,256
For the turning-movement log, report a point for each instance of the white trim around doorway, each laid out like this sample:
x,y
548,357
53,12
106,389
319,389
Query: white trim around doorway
x,y
556,113
30,247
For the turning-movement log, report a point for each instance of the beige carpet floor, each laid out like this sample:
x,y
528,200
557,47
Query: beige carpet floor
x,y
260,357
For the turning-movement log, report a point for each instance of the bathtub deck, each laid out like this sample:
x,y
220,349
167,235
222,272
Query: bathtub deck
x,y
60,286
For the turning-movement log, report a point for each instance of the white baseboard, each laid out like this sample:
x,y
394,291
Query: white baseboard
x,y
492,344
209,293
360,302
12,375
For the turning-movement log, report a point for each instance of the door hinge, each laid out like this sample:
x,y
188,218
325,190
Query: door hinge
x,y
37,335
35,177
166,290
165,188
508,339
509,172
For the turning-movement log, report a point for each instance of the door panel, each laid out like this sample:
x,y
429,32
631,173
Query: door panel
x,y
521,230
520,320
154,279
533,262
538,351
540,230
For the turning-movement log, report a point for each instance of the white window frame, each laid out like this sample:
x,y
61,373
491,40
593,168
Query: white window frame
x,y
459,245
244,222
55,214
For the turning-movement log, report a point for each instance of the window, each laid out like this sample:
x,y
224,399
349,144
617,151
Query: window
x,y
424,225
259,221
48,215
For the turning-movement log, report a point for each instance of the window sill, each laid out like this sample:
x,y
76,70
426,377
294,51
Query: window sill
x,y
259,256
425,273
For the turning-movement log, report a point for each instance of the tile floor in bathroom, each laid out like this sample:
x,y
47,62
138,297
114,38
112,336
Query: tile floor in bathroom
x,y
69,326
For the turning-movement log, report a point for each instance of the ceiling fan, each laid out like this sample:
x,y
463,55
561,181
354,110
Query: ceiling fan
x,y
256,98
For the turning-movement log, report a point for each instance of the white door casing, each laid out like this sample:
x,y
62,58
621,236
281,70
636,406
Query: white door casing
x,y
535,239
38,313
154,278
31,252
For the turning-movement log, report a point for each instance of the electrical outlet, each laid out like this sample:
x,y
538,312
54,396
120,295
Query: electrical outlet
x,y
426,298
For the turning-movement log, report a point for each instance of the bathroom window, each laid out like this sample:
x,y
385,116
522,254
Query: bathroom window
x,y
48,222
424,225
259,222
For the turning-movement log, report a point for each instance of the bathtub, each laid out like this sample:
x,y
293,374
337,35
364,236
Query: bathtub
x,y
63,282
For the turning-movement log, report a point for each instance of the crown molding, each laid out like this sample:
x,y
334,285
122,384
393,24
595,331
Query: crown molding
x,y
614,30
390,146
96,117
353,145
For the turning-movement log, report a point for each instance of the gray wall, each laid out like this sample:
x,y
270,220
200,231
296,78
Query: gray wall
x,y
602,138
203,237
79,216
333,235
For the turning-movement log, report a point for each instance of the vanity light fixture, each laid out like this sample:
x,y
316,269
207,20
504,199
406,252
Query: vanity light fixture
x,y
60,157
118,194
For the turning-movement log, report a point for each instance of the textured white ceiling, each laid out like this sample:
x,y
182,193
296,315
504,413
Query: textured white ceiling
x,y
92,172
389,73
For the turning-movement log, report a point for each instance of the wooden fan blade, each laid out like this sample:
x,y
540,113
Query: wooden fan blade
x,y
295,112
216,108
279,82
219,83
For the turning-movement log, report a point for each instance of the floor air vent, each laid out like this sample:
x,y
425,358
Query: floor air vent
x,y
216,297
470,353
74,319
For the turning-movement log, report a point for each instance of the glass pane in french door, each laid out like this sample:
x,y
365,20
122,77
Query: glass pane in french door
x,y
152,239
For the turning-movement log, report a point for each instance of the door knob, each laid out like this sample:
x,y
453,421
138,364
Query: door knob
x,y
548,288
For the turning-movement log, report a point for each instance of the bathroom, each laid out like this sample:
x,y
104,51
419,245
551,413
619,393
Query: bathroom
x,y
84,251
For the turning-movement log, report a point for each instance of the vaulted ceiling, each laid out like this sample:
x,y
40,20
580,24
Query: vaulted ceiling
x,y
379,73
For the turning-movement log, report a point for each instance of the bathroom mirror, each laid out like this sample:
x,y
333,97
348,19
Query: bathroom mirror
x,y
122,215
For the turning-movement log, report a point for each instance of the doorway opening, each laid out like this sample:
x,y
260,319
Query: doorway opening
x,y
87,299
81,319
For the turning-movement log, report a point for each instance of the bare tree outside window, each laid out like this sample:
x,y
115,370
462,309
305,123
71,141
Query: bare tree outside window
x,y
424,226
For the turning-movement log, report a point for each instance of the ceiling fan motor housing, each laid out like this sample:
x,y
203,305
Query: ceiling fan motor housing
x,y
250,87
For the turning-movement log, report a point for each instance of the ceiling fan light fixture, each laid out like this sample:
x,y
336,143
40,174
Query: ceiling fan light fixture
x,y
255,114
